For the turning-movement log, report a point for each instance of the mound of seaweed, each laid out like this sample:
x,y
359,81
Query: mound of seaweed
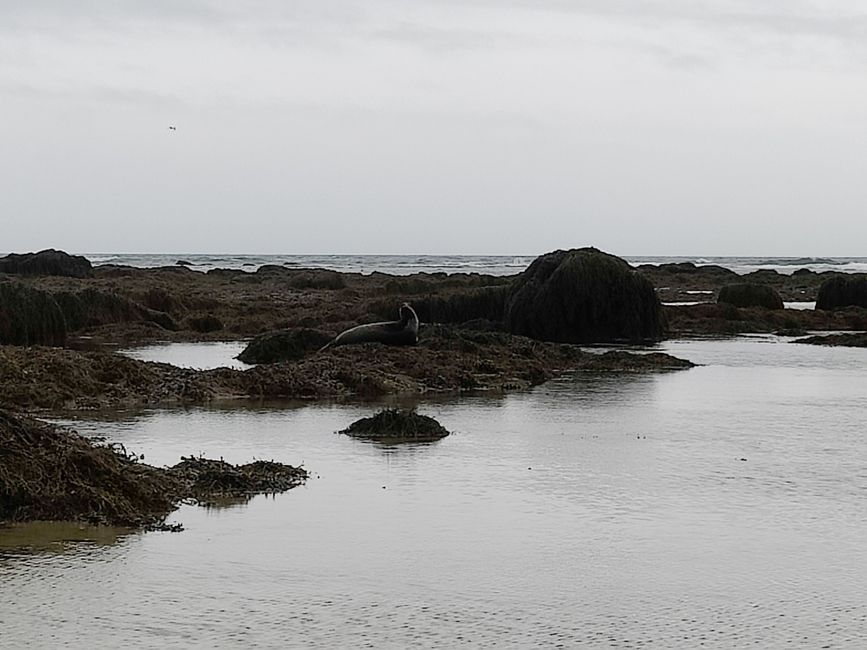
x,y
52,474
396,425
283,345
49,473
748,294
843,291
29,316
583,296
206,479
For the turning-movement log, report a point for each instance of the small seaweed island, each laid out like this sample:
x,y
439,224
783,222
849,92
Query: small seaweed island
x,y
316,334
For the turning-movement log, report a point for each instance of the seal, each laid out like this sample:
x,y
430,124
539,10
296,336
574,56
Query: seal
x,y
397,332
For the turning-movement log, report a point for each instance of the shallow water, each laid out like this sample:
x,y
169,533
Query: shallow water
x,y
201,356
719,506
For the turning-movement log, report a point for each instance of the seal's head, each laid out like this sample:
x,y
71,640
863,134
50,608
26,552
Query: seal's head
x,y
407,314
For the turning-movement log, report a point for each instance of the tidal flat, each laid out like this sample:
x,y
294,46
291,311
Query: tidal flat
x,y
718,505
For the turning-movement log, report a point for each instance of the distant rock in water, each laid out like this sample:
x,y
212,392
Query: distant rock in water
x,y
393,425
842,291
750,295
283,345
47,262
29,316
183,263
583,296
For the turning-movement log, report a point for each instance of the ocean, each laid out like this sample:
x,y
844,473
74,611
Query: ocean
x,y
487,264
720,506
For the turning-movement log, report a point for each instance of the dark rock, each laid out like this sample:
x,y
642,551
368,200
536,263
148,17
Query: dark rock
x,y
583,296
29,316
204,324
183,263
750,295
283,345
47,262
806,273
393,425
843,291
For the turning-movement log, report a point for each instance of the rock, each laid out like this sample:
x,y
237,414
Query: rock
x,y
47,262
29,316
583,296
283,345
843,291
748,294
183,263
393,425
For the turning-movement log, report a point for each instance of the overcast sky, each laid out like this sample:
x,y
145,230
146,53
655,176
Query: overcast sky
x,y
417,126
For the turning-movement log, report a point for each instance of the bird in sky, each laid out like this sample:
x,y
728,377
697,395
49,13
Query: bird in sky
x,y
173,128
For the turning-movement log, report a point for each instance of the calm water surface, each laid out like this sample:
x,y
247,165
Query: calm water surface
x,y
721,506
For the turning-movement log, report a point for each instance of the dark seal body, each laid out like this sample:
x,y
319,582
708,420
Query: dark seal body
x,y
398,332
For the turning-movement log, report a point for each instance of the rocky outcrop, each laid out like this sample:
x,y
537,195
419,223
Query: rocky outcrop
x,y
283,345
583,296
843,291
47,262
29,316
748,294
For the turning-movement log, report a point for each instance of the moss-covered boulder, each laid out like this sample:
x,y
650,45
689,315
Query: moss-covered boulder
x,y
47,262
283,345
395,425
748,294
843,291
29,316
583,296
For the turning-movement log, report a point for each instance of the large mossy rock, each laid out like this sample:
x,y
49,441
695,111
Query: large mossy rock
x,y
842,291
47,262
283,345
29,316
748,294
583,296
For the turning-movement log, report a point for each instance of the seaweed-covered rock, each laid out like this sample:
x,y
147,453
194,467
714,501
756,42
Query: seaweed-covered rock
x,y
749,294
206,479
843,291
583,296
395,425
50,473
47,262
29,316
283,345
91,307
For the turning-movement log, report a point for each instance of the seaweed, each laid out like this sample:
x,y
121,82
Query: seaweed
x,y
396,425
